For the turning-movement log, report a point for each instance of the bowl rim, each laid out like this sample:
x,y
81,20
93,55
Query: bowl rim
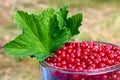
x,y
108,69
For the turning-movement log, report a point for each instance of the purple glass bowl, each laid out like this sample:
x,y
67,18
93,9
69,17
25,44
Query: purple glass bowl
x,y
50,72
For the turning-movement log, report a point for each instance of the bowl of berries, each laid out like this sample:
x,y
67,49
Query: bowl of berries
x,y
85,60
47,37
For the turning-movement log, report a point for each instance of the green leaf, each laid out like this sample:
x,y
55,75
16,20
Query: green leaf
x,y
62,16
41,35
74,23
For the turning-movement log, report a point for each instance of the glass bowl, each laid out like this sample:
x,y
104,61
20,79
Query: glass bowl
x,y
50,72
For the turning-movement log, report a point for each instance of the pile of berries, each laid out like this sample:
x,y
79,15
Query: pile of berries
x,y
85,55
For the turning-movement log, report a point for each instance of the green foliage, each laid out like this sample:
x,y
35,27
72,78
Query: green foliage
x,y
43,33
74,22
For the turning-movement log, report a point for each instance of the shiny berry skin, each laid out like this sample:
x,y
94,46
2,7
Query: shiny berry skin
x,y
85,55
82,56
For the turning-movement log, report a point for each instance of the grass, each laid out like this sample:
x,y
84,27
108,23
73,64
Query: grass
x,y
108,29
84,3
112,24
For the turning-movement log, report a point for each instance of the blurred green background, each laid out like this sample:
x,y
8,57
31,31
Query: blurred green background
x,y
101,22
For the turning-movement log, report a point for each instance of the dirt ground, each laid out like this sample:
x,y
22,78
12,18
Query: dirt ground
x,y
12,68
